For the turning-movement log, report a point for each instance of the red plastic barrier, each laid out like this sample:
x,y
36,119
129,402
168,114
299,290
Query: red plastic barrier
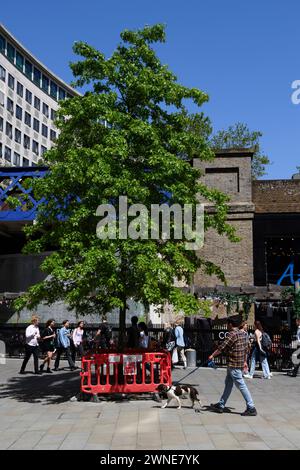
x,y
133,371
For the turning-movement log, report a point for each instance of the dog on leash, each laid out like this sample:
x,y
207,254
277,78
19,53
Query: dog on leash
x,y
173,392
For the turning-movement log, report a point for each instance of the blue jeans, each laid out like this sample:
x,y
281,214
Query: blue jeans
x,y
235,376
256,354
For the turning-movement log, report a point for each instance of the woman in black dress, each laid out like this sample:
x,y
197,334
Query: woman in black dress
x,y
47,344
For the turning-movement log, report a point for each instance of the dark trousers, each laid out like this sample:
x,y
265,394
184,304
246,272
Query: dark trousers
x,y
77,349
28,351
59,352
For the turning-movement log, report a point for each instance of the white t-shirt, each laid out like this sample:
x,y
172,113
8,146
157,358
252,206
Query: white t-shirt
x,y
144,340
32,333
77,336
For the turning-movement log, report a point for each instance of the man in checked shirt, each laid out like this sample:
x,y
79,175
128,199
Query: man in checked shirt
x,y
235,346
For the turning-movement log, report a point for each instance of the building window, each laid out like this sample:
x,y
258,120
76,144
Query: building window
x,y
37,103
19,61
17,136
45,84
53,114
44,130
11,52
1,124
19,112
10,105
43,150
7,154
35,147
36,125
37,76
1,98
28,69
26,141
20,89
2,73
1,150
28,96
8,130
11,81
2,44
25,161
27,119
53,90
52,135
45,109
61,94
17,159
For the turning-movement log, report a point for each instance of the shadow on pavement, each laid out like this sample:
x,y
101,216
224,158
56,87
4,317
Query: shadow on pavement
x,y
47,389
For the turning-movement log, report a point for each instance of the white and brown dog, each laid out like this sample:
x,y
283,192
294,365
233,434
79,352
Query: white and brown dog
x,y
173,392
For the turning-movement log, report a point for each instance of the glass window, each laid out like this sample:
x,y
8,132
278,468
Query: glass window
x,y
17,159
43,150
36,125
53,90
26,141
11,52
8,130
1,123
37,103
0,149
45,83
11,81
45,109
28,69
61,94
37,76
28,96
53,114
19,112
1,98
35,147
25,161
10,105
20,89
2,44
44,130
7,154
27,119
52,135
17,136
19,61
2,73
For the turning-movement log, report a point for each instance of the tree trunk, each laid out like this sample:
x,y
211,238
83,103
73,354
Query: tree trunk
x,y
122,327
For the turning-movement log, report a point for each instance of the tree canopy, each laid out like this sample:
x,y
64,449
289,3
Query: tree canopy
x,y
129,134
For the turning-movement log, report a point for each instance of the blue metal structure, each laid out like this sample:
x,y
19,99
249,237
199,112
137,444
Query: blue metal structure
x,y
11,184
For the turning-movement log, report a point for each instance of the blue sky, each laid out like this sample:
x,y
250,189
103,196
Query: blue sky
x,y
245,55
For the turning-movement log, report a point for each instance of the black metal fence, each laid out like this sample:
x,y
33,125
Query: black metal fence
x,y
204,338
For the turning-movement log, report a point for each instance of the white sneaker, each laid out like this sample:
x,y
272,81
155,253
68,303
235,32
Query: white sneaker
x,y
248,376
269,377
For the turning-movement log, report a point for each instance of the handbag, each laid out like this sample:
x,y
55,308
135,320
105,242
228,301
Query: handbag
x,y
170,345
174,356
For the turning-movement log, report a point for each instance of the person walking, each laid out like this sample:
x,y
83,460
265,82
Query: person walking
x,y
169,337
180,343
47,345
259,353
32,336
103,335
235,346
144,340
294,371
77,337
63,340
133,334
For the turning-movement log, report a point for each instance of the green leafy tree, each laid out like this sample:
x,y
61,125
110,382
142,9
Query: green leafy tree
x,y
240,136
129,134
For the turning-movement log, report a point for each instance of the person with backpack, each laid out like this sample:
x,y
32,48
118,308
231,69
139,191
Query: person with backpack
x,y
180,343
63,345
103,335
262,344
133,334
47,345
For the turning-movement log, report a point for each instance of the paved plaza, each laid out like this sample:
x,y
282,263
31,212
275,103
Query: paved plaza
x,y
36,413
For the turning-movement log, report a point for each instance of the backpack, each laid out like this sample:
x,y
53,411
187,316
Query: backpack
x,y
266,341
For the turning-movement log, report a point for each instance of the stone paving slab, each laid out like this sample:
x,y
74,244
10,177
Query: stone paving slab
x,y
36,413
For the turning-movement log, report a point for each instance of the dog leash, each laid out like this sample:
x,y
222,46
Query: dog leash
x,y
209,363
